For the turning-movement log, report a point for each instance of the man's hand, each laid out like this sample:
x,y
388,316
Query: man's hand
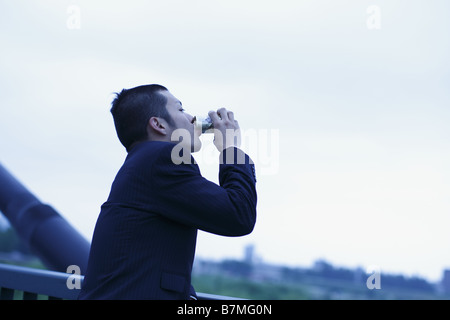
x,y
226,130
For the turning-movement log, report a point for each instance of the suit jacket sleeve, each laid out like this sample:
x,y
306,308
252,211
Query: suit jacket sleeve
x,y
183,195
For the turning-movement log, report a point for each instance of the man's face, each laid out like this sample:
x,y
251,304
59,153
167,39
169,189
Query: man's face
x,y
182,120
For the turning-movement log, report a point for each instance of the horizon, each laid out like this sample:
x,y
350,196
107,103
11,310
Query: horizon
x,y
259,260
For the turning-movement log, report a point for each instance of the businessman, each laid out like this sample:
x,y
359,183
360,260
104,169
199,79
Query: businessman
x,y
144,240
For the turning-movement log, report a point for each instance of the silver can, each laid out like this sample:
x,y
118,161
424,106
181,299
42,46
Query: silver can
x,y
203,124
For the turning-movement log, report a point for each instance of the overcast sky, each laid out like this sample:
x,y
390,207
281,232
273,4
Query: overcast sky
x,y
345,104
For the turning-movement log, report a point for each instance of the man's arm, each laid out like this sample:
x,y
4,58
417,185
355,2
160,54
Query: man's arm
x,y
183,195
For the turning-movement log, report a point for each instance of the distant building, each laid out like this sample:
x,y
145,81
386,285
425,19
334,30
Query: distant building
x,y
445,283
249,254
267,272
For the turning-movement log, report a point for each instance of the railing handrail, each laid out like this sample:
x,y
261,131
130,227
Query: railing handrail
x,y
38,281
54,284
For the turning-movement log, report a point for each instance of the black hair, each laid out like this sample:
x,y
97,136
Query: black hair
x,y
133,108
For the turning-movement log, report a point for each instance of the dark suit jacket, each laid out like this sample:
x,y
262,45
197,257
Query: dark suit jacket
x,y
144,240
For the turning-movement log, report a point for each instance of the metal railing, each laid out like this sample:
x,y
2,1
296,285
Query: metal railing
x,y
25,283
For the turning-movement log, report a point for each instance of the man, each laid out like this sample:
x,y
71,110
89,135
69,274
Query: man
x,y
144,241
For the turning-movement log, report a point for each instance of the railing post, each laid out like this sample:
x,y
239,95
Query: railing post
x,y
48,234
6,294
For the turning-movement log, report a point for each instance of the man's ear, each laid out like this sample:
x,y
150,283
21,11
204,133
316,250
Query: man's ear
x,y
157,126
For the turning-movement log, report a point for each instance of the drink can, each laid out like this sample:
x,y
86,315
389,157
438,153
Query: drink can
x,y
203,124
